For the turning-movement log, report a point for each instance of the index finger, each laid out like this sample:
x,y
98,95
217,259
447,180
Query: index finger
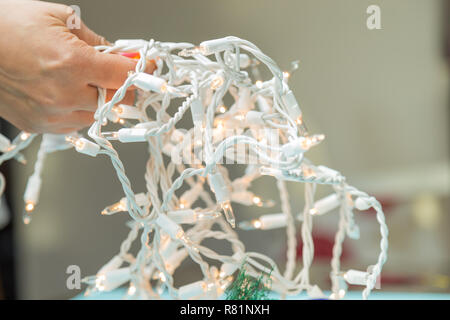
x,y
110,70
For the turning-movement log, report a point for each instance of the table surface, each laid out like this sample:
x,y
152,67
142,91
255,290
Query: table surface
x,y
118,294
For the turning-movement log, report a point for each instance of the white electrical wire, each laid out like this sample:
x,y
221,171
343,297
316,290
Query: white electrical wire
x,y
192,76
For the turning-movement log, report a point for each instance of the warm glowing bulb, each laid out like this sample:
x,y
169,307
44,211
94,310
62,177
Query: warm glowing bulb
x,y
99,282
313,211
306,144
308,172
222,109
286,75
217,82
75,142
220,125
24,136
111,135
192,51
116,207
26,219
163,88
256,224
258,84
117,109
131,290
257,200
29,206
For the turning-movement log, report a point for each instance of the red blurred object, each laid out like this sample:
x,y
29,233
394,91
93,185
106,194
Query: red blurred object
x,y
395,279
131,55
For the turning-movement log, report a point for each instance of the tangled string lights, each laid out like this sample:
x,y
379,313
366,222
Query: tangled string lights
x,y
189,158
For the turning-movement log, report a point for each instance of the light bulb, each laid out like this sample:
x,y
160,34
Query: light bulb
x,y
255,118
191,216
308,172
223,197
301,144
170,227
114,208
162,277
148,82
325,205
24,136
140,198
356,277
291,104
265,222
29,206
99,282
262,203
76,142
192,290
217,82
83,145
110,280
192,51
132,134
110,135
131,290
26,217
228,211
220,125
252,225
222,109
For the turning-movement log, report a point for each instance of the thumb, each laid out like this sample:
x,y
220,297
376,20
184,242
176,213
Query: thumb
x,y
89,36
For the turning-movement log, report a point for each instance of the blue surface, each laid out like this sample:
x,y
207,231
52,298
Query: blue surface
x,y
352,295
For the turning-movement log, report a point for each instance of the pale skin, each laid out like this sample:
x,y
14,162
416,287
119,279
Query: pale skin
x,y
49,74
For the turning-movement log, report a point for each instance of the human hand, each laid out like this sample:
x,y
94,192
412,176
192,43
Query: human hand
x,y
49,73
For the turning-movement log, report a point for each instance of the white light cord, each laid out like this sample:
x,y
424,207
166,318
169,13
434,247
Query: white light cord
x,y
171,222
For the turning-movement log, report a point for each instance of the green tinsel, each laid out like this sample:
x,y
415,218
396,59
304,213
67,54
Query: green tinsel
x,y
246,287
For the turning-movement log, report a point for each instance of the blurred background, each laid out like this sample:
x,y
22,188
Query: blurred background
x,y
381,97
